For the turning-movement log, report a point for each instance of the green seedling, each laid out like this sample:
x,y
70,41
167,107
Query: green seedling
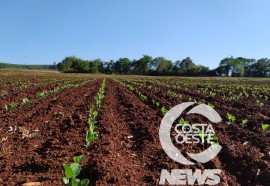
x,y
214,144
93,113
154,102
212,94
72,171
26,101
42,94
91,135
244,122
67,86
55,90
265,127
210,105
231,117
199,102
100,96
164,110
183,121
11,107
3,92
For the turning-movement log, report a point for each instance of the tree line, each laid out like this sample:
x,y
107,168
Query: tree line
x,y
230,66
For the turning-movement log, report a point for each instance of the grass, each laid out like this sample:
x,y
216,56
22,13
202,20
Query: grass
x,y
8,66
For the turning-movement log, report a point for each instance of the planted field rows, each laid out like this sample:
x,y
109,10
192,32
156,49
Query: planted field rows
x,y
107,127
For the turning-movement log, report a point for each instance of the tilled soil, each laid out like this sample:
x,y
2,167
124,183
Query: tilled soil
x,y
48,134
128,151
245,156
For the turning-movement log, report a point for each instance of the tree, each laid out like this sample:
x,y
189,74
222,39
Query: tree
x,y
96,66
109,67
161,65
122,66
236,67
186,67
72,64
261,68
144,64
79,65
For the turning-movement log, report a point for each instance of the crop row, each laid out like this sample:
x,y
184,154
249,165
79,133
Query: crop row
x,y
72,171
144,90
42,94
203,137
25,86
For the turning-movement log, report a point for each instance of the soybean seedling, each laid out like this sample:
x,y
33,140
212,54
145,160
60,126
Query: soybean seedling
x,y
183,121
11,107
93,113
157,104
72,171
154,102
3,92
214,141
265,127
231,117
26,101
42,94
164,110
210,105
91,135
244,122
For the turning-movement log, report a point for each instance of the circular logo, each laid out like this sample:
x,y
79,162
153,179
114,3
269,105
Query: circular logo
x,y
188,132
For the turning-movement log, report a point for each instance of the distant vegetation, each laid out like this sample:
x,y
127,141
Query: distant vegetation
x,y
27,67
230,66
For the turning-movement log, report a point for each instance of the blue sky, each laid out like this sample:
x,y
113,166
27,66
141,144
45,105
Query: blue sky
x,y
44,31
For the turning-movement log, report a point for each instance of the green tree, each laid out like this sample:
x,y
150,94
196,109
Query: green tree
x,y
262,67
96,66
109,67
72,64
162,66
144,64
122,66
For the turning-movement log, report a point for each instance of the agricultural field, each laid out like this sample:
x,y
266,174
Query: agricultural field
x,y
104,130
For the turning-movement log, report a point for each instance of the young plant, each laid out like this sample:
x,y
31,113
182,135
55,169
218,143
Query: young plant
x,y
100,96
11,107
154,102
55,90
231,117
26,101
210,105
42,94
199,102
244,122
183,121
265,127
91,135
72,171
214,141
157,104
212,94
143,97
164,110
3,92
93,113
